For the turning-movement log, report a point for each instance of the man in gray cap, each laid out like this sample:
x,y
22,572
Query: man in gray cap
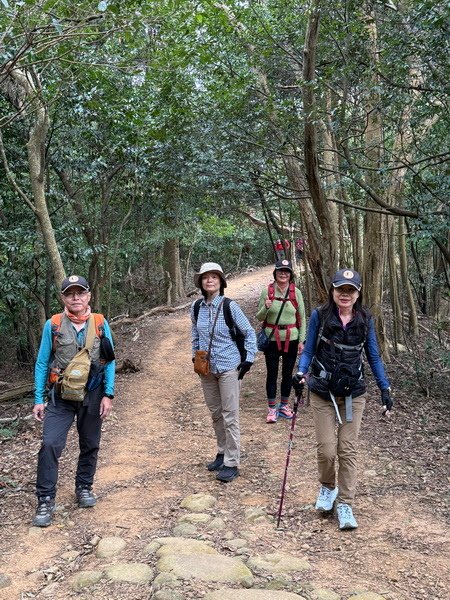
x,y
63,337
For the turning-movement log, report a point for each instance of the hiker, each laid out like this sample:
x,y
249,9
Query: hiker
x,y
63,337
299,248
338,332
282,311
227,363
281,248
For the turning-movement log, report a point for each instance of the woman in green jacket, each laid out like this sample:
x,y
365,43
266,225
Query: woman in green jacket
x,y
282,311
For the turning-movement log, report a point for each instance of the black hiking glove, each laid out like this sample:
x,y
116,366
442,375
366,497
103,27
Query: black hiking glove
x,y
243,367
298,383
386,400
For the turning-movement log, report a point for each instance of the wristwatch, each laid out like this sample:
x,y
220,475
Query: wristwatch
x,y
110,396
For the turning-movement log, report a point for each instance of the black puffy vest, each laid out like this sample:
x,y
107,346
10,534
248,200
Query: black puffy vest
x,y
330,356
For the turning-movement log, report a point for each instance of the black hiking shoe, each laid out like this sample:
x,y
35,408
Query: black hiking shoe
x,y
216,464
227,474
44,511
85,497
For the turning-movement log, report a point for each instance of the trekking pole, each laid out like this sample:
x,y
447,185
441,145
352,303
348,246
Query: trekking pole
x,y
298,401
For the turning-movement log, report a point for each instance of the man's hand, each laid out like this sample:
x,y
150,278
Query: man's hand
x,y
387,401
298,383
105,407
243,367
38,412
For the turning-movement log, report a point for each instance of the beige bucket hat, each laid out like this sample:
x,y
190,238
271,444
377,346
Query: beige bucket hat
x,y
210,267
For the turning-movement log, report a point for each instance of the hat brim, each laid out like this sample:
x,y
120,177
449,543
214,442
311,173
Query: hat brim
x,y
198,278
72,285
337,284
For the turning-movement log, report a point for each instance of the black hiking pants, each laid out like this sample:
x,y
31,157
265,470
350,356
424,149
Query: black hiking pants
x,y
59,416
288,359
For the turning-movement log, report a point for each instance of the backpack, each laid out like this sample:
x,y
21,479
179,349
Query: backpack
x,y
56,326
75,376
292,297
236,334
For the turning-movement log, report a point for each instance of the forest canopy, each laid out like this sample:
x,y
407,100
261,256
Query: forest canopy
x,y
139,139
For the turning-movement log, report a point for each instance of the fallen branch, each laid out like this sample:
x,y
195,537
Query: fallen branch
x,y
17,392
150,313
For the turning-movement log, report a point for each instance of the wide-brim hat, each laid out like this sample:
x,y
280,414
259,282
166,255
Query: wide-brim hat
x,y
209,267
74,281
347,277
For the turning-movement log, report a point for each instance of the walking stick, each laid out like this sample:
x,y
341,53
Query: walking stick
x,y
298,401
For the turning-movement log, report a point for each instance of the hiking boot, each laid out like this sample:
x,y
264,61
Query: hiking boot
x,y
85,497
272,415
326,499
44,511
285,412
216,464
345,516
227,474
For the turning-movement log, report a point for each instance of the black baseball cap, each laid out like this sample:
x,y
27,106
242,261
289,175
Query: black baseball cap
x,y
74,281
347,277
284,265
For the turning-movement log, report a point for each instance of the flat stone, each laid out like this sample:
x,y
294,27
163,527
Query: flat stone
x,y
277,562
206,567
198,502
165,580
110,546
130,572
217,524
5,581
85,579
195,518
185,530
179,545
152,547
367,596
324,594
257,514
50,590
233,594
167,595
235,544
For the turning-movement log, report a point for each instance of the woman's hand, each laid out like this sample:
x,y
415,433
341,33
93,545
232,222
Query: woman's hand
x,y
268,303
301,345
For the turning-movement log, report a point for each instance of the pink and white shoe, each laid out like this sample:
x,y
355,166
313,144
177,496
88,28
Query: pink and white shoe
x,y
285,411
272,415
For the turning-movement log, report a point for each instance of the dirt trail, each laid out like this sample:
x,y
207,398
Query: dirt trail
x,y
153,453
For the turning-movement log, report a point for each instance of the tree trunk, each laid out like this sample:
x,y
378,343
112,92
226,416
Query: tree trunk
x,y
328,225
172,270
375,242
29,82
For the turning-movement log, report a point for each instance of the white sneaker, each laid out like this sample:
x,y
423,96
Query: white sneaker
x,y
345,516
326,499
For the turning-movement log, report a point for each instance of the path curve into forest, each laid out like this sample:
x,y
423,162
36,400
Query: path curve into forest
x,y
153,453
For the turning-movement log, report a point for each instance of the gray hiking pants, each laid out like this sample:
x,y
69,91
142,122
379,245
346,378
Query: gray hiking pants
x,y
221,391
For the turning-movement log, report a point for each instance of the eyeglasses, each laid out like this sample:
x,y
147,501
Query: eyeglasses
x,y
346,290
73,294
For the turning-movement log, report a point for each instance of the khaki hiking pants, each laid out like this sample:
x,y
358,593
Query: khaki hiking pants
x,y
221,391
337,449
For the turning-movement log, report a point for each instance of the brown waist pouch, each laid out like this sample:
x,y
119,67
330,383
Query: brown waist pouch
x,y
201,362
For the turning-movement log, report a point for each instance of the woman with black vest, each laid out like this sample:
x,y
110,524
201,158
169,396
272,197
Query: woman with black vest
x,y
338,332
